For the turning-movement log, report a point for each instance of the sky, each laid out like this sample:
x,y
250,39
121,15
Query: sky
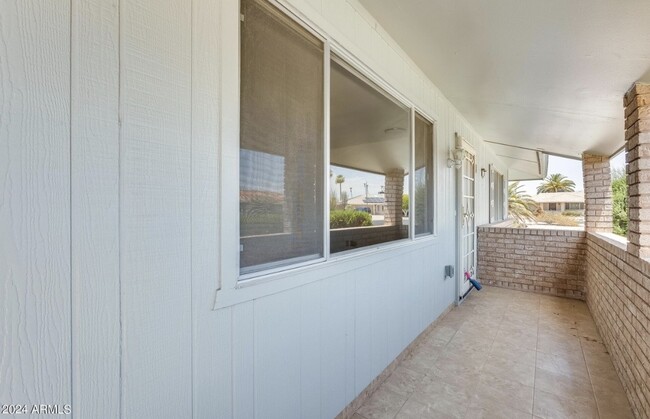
x,y
355,179
570,168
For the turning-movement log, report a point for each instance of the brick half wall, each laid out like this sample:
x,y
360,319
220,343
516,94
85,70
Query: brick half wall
x,y
618,296
536,260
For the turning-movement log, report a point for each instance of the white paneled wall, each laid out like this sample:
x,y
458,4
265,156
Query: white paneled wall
x,y
117,120
95,215
35,307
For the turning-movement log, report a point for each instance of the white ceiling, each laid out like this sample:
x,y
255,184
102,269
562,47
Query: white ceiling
x,y
543,74
369,131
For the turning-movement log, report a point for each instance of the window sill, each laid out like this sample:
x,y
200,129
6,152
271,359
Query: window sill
x,y
276,282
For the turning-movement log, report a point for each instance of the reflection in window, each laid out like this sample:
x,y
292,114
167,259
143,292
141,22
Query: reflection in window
x,y
369,138
261,193
497,196
281,140
423,176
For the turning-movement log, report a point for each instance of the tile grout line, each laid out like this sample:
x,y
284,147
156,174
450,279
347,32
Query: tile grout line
x,y
539,316
591,381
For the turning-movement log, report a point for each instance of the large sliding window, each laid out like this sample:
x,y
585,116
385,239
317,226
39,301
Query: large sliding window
x,y
283,179
281,140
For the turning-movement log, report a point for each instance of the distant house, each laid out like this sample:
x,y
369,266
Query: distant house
x,y
376,204
561,201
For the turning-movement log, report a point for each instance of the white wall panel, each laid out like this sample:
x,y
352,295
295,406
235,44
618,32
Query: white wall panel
x,y
277,355
155,181
311,350
210,331
334,325
243,360
216,401
95,146
363,331
35,330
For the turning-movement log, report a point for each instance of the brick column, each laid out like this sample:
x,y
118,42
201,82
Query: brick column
x,y
637,148
394,189
597,179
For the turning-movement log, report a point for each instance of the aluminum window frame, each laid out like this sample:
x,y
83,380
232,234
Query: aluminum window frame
x,y
235,287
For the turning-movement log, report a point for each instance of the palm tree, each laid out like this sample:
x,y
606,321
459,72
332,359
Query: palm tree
x,y
556,183
340,179
520,205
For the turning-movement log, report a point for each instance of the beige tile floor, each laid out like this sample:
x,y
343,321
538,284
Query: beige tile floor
x,y
505,354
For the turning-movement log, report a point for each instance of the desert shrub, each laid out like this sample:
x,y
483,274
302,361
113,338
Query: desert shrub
x,y
349,218
557,219
571,213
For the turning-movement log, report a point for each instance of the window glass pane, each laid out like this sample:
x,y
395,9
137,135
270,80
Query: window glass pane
x,y
423,176
497,196
281,143
369,150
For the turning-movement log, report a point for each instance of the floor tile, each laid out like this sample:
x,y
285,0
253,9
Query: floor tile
x,y
507,350
382,404
523,372
611,398
489,409
415,410
578,388
404,381
552,406
505,354
573,366
507,392
443,397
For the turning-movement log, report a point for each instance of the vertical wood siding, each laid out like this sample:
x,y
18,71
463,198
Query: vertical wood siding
x,y
155,208
95,210
115,117
35,331
208,387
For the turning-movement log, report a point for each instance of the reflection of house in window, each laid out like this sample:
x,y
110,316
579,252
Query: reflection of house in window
x,y
373,205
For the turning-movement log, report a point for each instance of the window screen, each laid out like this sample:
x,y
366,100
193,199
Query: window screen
x,y
281,140
423,176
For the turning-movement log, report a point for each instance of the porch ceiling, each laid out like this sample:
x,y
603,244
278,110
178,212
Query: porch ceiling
x,y
538,74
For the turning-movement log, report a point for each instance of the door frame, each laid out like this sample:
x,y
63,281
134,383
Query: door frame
x,y
461,149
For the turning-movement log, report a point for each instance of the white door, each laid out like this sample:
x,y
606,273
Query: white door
x,y
467,219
